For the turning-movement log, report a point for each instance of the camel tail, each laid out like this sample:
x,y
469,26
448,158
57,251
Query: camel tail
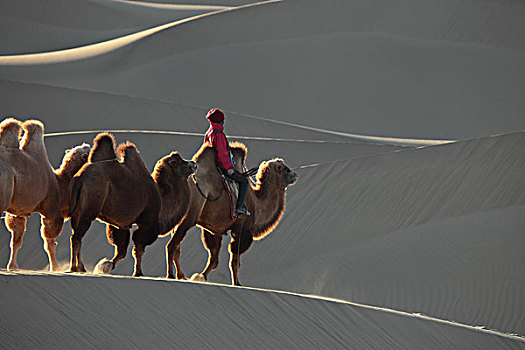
x,y
103,148
75,195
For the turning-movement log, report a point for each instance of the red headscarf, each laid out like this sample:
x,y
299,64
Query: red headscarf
x,y
215,115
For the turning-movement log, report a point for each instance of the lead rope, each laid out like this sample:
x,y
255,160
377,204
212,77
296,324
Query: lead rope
x,y
240,233
194,178
239,255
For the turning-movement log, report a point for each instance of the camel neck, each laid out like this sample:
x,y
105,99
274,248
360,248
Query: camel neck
x,y
172,203
270,203
63,181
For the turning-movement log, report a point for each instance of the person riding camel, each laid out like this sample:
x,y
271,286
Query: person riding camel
x,y
216,138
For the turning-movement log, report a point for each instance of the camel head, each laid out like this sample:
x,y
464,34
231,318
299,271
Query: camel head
x,y
173,167
74,159
276,170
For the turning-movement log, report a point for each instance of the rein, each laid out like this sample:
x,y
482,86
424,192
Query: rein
x,y
194,178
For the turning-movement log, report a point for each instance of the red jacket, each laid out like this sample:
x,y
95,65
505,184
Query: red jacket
x,y
216,138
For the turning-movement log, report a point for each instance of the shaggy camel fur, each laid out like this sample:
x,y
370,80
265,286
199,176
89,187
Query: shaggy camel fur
x,y
29,184
121,192
265,200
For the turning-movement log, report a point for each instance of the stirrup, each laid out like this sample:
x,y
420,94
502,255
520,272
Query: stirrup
x,y
242,212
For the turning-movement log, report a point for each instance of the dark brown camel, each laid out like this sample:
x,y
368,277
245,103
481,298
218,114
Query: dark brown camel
x,y
121,192
265,200
29,184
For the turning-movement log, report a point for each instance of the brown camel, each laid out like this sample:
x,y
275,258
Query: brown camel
x,y
210,209
121,192
29,184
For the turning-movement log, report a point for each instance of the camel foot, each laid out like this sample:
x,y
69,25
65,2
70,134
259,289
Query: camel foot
x,y
104,267
76,270
12,267
138,274
198,277
179,277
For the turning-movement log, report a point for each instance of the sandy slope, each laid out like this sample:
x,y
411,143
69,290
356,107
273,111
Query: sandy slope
x,y
34,26
426,230
185,315
413,69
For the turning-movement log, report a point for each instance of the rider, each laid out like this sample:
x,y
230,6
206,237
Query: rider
x,y
216,138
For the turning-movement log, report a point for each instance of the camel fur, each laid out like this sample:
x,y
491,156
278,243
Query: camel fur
x,y
121,192
28,184
265,200
10,131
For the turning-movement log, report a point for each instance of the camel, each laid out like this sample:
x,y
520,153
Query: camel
x,y
28,184
121,192
210,210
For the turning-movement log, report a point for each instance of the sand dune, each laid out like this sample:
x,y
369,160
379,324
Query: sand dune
x,y
205,318
457,71
404,121
417,230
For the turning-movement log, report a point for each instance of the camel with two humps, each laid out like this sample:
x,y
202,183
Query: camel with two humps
x,y
209,208
28,184
121,192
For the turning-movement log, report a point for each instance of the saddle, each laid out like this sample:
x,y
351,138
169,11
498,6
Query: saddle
x,y
230,186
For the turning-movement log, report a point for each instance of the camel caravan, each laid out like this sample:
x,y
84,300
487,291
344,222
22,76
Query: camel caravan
x,y
113,185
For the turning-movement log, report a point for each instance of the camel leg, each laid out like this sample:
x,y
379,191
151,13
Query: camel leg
x,y
141,238
212,243
238,245
120,239
79,227
176,260
173,249
50,229
17,226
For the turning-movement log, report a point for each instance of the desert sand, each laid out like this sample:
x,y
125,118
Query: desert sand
x,y
404,120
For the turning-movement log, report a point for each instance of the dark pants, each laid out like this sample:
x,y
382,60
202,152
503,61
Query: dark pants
x,y
243,185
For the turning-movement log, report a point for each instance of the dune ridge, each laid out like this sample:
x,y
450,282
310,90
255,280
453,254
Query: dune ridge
x,y
108,46
34,27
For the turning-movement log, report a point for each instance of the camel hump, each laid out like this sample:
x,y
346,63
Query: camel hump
x,y
10,131
130,156
103,148
34,135
206,155
239,152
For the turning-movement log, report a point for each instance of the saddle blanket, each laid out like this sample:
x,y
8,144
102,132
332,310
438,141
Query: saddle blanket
x,y
232,188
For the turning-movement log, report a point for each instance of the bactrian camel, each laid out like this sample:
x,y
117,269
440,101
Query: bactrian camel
x,y
29,184
121,192
210,209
